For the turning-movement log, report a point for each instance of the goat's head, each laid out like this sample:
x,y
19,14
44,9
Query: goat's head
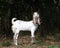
x,y
36,19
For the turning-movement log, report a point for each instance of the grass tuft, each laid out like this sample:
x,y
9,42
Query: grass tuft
x,y
55,46
6,43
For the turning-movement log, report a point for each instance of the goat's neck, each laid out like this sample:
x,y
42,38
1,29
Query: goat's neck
x,y
34,23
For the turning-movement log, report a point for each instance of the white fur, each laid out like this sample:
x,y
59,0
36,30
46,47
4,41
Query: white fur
x,y
19,25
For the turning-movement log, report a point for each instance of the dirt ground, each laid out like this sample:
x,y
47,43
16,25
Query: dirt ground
x,y
24,42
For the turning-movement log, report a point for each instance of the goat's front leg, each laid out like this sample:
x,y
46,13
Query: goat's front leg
x,y
15,38
32,36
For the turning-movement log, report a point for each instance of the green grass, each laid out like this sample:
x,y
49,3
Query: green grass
x,y
38,42
30,47
41,43
55,46
57,37
6,43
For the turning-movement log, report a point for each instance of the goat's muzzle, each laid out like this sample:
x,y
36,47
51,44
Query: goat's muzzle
x,y
36,20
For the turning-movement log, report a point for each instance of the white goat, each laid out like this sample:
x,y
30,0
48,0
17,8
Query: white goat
x,y
19,25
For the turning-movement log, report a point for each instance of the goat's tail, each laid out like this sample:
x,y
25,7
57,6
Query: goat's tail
x,y
13,20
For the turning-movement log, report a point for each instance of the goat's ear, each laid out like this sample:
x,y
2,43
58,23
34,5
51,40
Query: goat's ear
x,y
39,21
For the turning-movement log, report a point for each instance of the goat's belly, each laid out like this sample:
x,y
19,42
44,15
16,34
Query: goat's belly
x,y
23,28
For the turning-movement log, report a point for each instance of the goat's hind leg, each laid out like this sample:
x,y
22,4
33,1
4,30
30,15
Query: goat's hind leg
x,y
15,37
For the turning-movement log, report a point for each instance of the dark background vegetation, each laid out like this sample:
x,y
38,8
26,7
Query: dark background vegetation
x,y
49,11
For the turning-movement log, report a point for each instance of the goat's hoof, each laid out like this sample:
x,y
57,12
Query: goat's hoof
x,y
32,42
16,44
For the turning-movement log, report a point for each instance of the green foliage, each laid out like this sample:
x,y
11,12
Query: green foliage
x,y
6,43
29,47
39,42
57,37
59,2
57,46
